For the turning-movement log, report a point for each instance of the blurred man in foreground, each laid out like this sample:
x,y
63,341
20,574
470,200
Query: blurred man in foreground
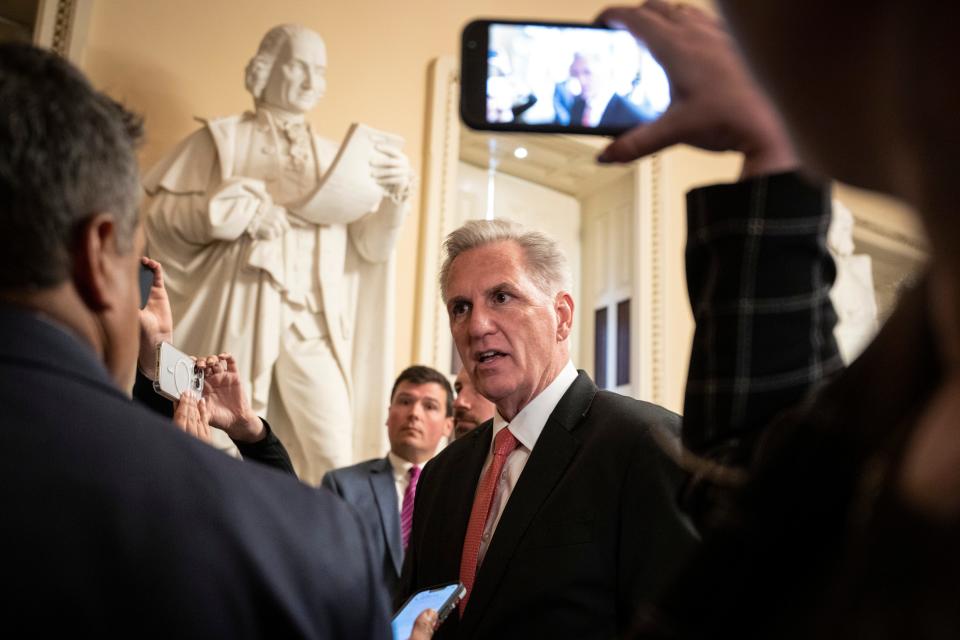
x,y
113,518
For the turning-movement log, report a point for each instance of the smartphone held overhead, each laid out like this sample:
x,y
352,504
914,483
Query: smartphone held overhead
x,y
558,77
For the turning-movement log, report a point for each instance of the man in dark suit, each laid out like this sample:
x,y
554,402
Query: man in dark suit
x,y
598,105
382,491
560,514
617,111
114,522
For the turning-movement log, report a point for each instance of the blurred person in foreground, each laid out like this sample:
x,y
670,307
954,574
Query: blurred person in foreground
x,y
847,522
120,523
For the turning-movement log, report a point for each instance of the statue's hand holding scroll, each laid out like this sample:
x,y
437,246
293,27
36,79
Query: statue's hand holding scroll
x,y
390,168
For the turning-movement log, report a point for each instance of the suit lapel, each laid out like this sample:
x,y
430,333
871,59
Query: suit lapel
x,y
547,463
385,493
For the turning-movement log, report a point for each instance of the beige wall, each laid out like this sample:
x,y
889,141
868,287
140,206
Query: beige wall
x,y
175,59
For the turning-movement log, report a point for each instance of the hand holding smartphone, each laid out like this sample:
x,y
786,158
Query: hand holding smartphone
x,y
176,373
558,77
441,599
717,105
146,283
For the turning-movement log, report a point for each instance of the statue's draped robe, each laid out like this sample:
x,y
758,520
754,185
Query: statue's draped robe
x,y
227,289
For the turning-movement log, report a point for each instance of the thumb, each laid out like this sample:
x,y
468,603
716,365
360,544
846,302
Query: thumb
x,y
424,625
645,139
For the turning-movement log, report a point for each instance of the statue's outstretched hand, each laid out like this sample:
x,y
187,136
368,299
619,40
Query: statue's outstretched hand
x,y
390,167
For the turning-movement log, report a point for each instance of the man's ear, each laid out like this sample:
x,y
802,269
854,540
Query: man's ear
x,y
448,426
95,249
564,309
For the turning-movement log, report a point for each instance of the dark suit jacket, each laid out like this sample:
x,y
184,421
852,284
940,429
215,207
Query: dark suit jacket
x,y
619,112
116,523
591,530
369,488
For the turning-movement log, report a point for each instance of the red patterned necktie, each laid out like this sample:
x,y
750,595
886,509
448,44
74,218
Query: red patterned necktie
x,y
503,444
406,511
585,120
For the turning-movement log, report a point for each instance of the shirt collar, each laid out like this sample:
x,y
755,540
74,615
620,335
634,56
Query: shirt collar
x,y
401,467
528,424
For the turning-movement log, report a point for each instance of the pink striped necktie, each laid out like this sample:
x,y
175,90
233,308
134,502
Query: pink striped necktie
x,y
503,444
406,511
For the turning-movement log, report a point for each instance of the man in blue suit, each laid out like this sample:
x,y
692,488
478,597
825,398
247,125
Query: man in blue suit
x,y
598,105
382,490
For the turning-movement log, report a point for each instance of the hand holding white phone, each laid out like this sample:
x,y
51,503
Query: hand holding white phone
x,y
176,373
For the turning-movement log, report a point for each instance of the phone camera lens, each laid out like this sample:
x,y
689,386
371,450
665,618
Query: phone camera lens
x,y
471,44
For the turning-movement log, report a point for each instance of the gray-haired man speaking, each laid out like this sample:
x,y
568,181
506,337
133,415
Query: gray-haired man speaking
x,y
559,514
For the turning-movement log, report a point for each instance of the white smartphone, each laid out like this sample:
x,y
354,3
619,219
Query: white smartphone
x,y
441,599
176,373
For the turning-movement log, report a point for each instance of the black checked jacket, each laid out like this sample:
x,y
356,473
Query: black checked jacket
x,y
759,276
819,542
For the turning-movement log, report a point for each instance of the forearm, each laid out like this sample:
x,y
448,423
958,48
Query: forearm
x,y
179,217
375,235
200,219
759,276
269,451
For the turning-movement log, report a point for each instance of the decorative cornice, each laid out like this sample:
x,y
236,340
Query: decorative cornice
x,y
656,278
451,129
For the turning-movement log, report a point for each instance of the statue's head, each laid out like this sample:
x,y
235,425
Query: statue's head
x,y
289,70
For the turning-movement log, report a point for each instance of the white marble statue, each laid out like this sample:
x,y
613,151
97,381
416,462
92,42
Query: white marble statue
x,y
302,300
853,295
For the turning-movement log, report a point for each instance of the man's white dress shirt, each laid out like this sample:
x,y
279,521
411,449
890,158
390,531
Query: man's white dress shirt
x,y
526,427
